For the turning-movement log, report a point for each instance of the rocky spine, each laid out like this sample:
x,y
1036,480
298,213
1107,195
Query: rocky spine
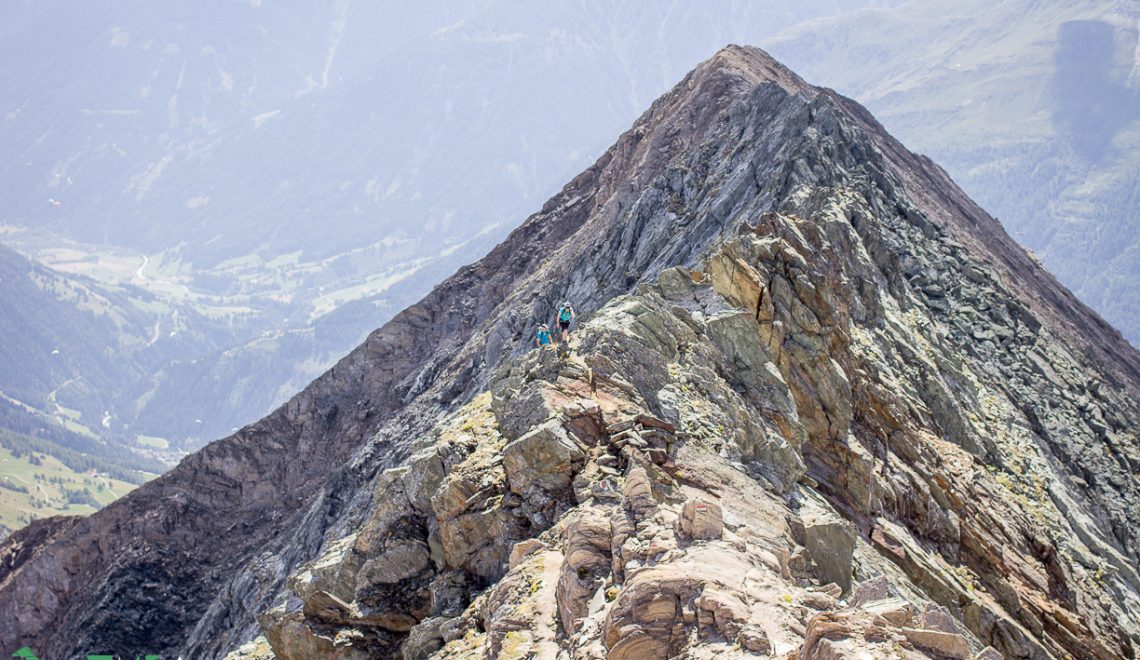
x,y
820,405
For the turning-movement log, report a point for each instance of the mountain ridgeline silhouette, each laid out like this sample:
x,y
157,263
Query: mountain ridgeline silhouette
x,y
818,402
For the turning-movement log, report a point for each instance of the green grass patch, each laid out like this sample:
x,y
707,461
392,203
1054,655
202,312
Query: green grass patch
x,y
152,441
34,485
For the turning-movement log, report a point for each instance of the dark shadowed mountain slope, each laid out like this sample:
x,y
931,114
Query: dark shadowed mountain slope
x,y
807,359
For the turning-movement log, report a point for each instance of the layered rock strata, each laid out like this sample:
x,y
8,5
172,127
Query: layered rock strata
x,y
821,406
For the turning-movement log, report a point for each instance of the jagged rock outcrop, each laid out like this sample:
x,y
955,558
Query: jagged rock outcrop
x,y
820,406
698,553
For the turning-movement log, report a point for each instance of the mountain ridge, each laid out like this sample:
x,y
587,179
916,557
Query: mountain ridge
x,y
1029,105
243,513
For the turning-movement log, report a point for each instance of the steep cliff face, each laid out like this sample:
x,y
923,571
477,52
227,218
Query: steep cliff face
x,y
820,403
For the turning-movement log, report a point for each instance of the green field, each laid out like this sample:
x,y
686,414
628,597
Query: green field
x,y
152,442
35,485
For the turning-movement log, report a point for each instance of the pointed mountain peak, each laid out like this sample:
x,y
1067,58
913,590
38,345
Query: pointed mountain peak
x,y
752,65
772,297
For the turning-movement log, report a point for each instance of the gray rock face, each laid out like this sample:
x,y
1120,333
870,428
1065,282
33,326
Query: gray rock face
x,y
780,306
830,540
424,640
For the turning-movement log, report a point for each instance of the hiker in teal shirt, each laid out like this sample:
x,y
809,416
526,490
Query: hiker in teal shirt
x,y
542,337
565,315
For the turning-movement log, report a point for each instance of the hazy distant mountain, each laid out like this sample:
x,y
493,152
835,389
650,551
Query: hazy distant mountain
x,y
1032,106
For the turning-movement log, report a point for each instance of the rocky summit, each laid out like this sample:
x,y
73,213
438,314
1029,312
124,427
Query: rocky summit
x,y
817,405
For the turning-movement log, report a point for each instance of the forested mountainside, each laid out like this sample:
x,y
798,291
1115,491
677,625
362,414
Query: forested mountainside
x,y
75,349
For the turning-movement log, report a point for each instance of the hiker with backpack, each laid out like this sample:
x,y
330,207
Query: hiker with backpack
x,y
542,337
565,316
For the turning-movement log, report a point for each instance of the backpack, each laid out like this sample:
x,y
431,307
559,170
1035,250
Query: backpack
x,y
565,315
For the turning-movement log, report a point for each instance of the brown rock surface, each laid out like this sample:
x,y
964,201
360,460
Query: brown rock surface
x,y
701,520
